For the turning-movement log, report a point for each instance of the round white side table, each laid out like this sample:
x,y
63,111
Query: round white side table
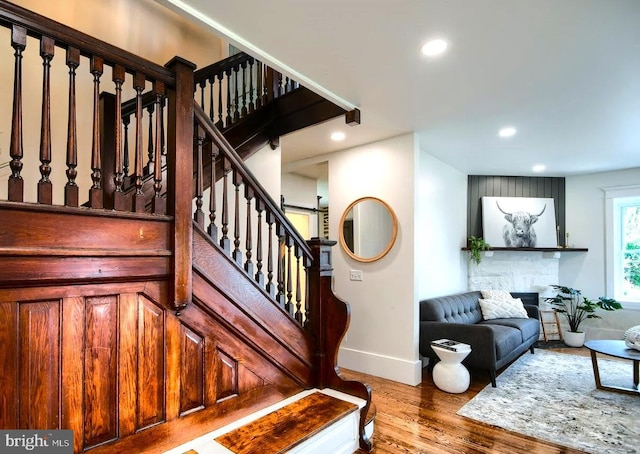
x,y
449,374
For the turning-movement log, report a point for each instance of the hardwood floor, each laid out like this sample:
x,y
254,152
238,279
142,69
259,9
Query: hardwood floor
x,y
422,419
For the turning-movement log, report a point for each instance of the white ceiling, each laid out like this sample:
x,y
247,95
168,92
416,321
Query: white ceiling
x,y
565,73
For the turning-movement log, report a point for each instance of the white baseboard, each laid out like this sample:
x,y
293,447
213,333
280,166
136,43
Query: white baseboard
x,y
396,369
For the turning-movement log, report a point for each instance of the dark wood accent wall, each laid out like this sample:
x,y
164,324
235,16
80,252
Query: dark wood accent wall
x,y
509,186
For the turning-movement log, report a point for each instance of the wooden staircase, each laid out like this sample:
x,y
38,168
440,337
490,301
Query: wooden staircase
x,y
178,299
310,422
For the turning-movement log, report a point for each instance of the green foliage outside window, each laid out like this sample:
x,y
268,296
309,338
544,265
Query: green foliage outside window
x,y
631,235
632,264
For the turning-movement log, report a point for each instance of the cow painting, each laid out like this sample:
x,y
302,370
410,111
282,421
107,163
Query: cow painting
x,y
519,231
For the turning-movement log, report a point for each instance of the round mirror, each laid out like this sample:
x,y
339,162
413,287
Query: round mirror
x,y
368,229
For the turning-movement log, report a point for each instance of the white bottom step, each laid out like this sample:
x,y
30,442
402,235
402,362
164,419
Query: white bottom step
x,y
339,438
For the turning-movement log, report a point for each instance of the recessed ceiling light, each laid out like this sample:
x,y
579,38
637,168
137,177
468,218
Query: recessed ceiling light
x,y
509,131
337,136
538,168
434,47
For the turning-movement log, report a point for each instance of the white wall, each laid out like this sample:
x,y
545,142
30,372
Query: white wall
x,y
381,337
585,207
265,166
301,191
441,229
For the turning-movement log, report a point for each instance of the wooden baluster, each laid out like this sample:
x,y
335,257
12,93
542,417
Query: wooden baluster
x,y
45,191
150,142
259,274
220,123
198,216
163,150
298,314
259,84
237,253
159,204
267,83
280,89
228,120
224,241
16,148
125,162
251,94
289,304
202,85
71,188
236,98
271,288
244,88
281,265
212,115
271,84
118,75
213,229
138,197
248,264
307,309
95,193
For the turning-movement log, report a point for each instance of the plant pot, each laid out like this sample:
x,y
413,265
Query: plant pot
x,y
573,339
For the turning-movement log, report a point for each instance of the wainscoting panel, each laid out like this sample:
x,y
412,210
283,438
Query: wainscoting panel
x,y
506,186
191,371
150,363
39,372
100,370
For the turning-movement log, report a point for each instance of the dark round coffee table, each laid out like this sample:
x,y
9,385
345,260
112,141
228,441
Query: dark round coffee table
x,y
618,349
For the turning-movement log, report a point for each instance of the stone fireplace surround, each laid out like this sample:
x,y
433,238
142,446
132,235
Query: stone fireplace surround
x,y
531,271
517,271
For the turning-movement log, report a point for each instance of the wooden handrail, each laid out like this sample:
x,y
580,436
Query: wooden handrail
x,y
202,120
65,37
232,61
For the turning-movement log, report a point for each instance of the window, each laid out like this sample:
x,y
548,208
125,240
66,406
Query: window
x,y
623,244
629,249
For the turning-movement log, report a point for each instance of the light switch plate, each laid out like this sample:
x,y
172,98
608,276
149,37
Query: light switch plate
x,y
355,275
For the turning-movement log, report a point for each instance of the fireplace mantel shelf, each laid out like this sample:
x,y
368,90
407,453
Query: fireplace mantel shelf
x,y
535,249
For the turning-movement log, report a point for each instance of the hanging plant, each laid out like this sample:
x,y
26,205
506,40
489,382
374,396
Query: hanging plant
x,y
476,246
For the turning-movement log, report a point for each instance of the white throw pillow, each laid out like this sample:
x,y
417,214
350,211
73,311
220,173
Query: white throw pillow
x,y
512,308
632,337
500,295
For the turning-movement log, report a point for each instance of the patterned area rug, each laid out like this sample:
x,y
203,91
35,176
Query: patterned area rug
x,y
552,396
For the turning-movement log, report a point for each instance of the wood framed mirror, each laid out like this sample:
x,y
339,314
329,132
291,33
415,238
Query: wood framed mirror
x,y
368,229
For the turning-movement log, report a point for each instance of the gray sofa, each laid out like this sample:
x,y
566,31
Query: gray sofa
x,y
494,343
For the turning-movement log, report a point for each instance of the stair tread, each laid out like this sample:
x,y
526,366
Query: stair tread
x,y
284,428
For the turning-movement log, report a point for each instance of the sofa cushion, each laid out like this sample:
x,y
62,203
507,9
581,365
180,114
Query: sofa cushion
x,y
459,308
507,339
496,294
511,308
528,327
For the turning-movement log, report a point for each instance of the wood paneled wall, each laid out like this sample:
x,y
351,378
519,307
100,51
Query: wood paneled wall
x,y
88,358
112,360
505,186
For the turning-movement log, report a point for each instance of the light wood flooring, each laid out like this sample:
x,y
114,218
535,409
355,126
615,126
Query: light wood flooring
x,y
422,419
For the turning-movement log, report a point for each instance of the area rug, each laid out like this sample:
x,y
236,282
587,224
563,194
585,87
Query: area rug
x,y
552,396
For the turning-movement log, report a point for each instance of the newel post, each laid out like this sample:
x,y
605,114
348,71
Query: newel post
x,y
180,176
323,329
330,317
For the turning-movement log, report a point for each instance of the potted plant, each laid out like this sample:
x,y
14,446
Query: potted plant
x,y
576,308
476,246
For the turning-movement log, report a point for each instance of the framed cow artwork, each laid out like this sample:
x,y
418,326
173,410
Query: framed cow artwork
x,y
519,222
